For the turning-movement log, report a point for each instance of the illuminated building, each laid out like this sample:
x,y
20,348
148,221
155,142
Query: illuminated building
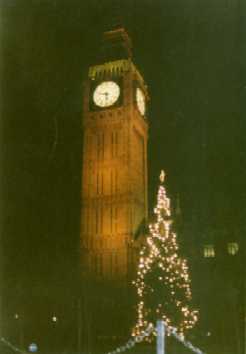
x,y
218,279
114,173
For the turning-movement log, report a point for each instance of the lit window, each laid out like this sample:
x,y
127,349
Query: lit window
x,y
209,251
232,248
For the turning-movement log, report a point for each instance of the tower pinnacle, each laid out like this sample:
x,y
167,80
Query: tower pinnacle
x,y
116,44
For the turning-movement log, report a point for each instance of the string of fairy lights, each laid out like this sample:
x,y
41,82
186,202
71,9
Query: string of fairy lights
x,y
133,341
151,329
159,262
12,347
181,339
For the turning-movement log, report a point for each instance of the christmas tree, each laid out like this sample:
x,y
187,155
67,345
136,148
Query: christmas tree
x,y
163,283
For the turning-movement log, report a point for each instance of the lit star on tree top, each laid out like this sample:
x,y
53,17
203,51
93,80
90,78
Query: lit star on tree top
x,y
162,176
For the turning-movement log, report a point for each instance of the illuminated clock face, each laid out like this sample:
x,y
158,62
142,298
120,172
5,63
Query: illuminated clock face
x,y
140,98
106,94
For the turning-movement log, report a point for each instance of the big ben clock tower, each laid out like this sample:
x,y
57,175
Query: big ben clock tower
x,y
114,175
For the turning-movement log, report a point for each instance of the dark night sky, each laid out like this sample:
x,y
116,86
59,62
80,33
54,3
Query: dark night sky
x,y
190,54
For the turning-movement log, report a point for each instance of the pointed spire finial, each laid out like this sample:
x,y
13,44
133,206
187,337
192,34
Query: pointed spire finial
x,y
162,176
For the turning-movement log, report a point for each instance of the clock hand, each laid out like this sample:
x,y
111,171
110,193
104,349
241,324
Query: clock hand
x,y
106,95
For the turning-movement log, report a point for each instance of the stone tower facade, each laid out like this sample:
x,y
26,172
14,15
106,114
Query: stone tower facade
x,y
114,175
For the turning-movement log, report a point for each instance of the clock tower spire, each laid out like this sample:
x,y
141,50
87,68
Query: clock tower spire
x,y
116,44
